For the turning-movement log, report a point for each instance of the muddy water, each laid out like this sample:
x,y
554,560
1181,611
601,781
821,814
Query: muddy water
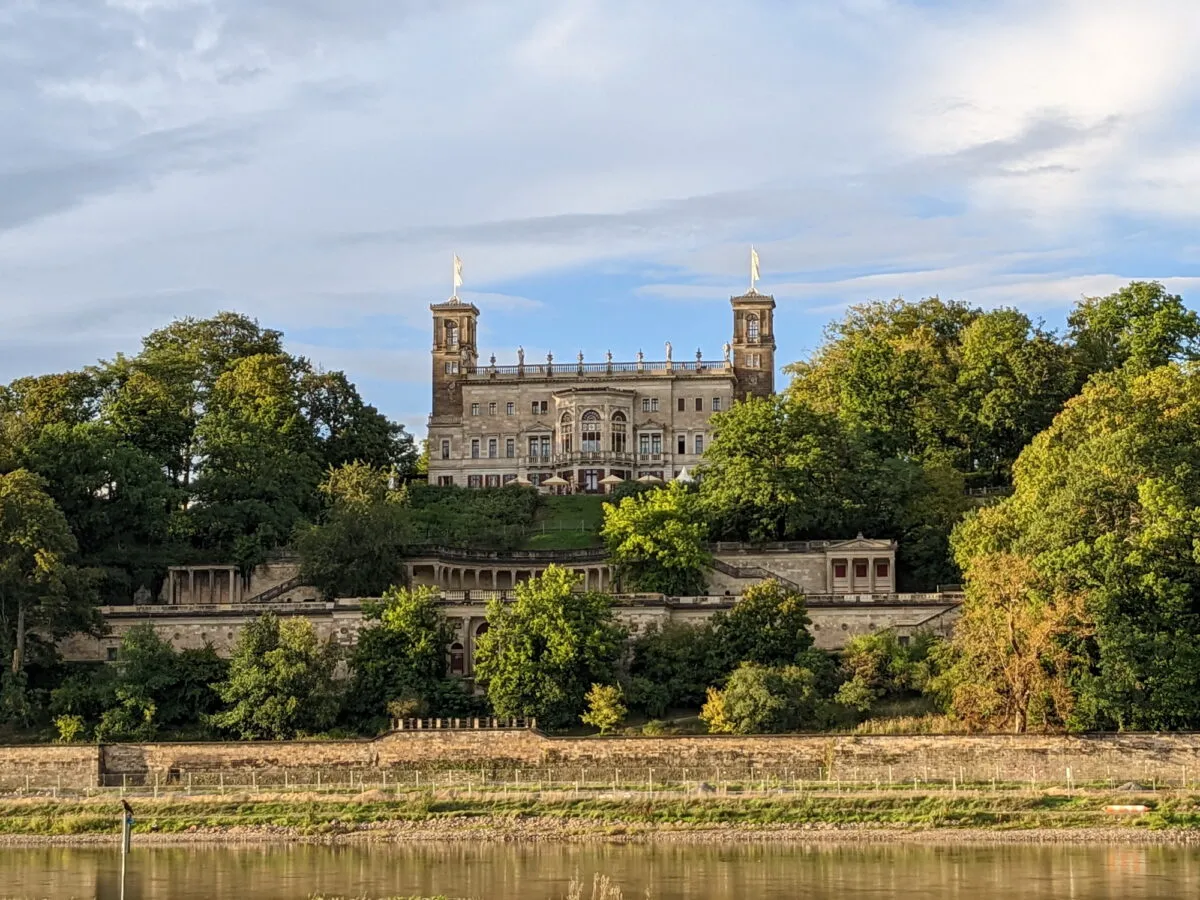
x,y
533,872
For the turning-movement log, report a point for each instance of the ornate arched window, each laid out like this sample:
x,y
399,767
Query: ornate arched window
x,y
619,432
752,327
452,335
458,659
590,432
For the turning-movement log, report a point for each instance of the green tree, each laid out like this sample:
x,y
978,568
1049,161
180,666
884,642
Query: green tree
x,y
402,656
280,682
1104,510
1013,378
1141,326
656,542
889,371
670,667
878,667
776,470
157,399
358,548
763,699
768,625
543,650
116,500
351,430
39,586
156,687
606,708
260,469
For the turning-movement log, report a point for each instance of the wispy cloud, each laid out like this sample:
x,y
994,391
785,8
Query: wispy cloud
x,y
601,166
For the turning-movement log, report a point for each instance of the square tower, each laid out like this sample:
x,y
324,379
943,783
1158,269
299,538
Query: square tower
x,y
754,344
455,352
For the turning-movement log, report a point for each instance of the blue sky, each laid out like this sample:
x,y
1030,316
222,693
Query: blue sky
x,y
601,168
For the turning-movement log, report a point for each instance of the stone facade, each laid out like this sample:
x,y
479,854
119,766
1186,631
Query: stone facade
x,y
494,425
836,619
219,585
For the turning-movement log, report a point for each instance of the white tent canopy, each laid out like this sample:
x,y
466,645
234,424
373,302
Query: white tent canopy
x,y
612,479
684,477
555,481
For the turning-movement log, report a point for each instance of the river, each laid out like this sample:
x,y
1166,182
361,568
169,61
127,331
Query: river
x,y
670,872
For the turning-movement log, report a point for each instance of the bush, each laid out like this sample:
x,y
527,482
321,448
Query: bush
x,y
605,708
760,699
70,728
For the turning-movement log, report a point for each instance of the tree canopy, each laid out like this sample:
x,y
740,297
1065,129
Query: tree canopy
x,y
543,651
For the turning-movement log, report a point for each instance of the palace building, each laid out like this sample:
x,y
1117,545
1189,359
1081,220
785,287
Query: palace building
x,y
583,422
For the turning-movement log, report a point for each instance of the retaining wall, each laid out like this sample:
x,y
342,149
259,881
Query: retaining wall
x,y
1168,758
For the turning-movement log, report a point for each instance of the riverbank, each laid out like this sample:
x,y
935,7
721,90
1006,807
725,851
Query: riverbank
x,y
376,816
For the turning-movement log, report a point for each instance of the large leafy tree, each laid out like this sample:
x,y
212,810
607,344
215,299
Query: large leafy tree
x,y
357,549
1141,325
260,464
761,699
115,499
671,666
544,650
768,625
156,687
1105,508
350,430
656,541
40,587
401,657
281,682
889,370
157,399
775,470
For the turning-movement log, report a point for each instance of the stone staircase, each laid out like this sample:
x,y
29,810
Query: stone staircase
x,y
754,572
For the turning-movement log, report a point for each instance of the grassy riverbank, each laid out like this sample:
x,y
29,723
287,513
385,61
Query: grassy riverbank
x,y
562,816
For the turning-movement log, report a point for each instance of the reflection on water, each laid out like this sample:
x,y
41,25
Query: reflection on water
x,y
531,872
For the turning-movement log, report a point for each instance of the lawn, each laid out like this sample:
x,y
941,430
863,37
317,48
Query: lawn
x,y
567,523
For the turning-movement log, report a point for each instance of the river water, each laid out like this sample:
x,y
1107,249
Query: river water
x,y
670,872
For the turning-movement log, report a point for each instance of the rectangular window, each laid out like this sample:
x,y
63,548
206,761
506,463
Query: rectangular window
x,y
475,448
533,446
474,481
653,404
492,408
474,409
534,408
510,447
493,481
645,404
451,368
881,568
681,443
839,570
682,404
699,444
493,448
860,569
546,447
656,443
445,449
699,404
643,443
510,408
716,404
509,479
445,480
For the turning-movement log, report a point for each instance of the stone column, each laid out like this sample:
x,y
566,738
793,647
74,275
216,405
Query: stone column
x,y
871,572
171,587
191,585
828,574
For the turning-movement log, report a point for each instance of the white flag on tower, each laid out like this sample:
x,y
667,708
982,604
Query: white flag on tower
x,y
457,274
754,276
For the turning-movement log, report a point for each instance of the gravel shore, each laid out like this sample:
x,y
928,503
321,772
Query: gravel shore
x,y
556,830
